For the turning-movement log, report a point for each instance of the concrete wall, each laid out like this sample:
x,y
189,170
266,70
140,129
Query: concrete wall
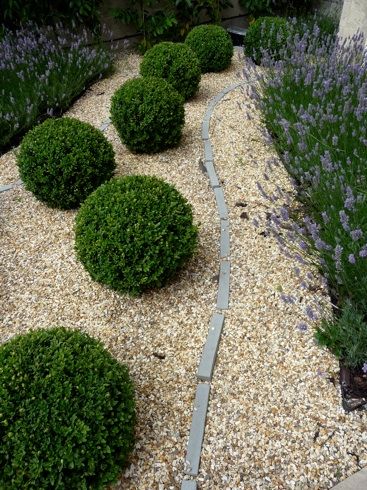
x,y
330,7
353,17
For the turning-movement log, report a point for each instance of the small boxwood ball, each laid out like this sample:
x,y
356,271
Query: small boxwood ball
x,y
148,114
134,233
63,160
212,45
175,62
67,412
266,34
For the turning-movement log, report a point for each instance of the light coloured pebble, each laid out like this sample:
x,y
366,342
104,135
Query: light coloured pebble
x,y
271,392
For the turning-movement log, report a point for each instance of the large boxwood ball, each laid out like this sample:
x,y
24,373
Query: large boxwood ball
x,y
212,45
266,34
134,233
63,160
175,62
67,412
148,114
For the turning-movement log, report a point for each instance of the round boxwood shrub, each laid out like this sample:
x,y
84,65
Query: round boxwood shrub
x,y
148,113
266,33
133,233
212,45
63,160
175,62
67,412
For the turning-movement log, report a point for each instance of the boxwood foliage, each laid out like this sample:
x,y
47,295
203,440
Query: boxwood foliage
x,y
175,62
63,160
212,45
134,233
67,412
266,34
148,113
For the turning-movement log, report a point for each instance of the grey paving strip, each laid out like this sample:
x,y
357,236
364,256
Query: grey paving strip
x,y
221,203
358,481
8,187
197,429
210,349
208,152
209,167
206,366
189,485
105,125
224,239
223,287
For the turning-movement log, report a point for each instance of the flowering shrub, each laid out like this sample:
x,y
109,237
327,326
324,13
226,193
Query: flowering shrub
x,y
41,71
314,102
134,233
266,34
67,412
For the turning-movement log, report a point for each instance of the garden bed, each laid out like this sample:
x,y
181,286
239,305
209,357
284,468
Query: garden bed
x,y
275,418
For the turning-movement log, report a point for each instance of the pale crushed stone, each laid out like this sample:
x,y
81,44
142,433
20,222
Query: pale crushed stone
x,y
267,399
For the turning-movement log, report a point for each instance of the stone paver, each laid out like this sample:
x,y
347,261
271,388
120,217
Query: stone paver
x,y
197,429
210,350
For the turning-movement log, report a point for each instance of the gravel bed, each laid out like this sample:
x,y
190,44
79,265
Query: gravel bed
x,y
160,335
275,419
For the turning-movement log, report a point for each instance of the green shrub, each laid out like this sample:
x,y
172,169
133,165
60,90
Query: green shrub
x,y
176,63
42,70
148,114
345,336
266,33
134,233
213,46
283,7
67,412
63,160
17,12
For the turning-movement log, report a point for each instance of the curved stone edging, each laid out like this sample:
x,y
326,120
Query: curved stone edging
x,y
209,354
8,187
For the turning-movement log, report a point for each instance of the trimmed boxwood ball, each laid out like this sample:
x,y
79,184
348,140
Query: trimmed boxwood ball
x,y
175,62
63,160
67,412
134,233
148,113
212,45
266,33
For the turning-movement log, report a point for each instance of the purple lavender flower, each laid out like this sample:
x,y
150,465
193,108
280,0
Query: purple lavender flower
x,y
303,245
302,327
344,220
363,252
364,368
356,234
310,313
284,213
337,256
351,259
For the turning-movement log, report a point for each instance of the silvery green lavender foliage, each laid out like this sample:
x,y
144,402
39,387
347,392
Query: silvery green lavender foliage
x,y
41,71
314,104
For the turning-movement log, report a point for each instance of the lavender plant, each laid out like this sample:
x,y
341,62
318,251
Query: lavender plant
x,y
41,71
314,103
